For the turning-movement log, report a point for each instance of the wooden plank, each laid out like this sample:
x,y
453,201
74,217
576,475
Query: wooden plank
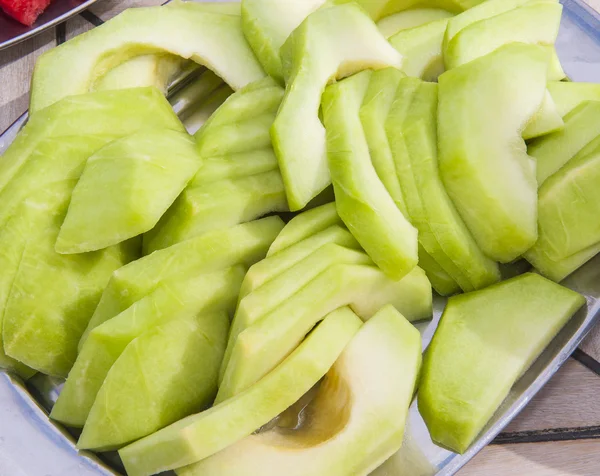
x,y
576,458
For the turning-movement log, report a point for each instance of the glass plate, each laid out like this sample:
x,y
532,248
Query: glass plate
x,y
32,445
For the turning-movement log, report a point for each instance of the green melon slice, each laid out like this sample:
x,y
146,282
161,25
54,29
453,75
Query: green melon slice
x,y
42,333
235,166
214,40
568,95
484,163
554,150
217,205
260,347
379,9
142,393
362,200
548,119
199,436
129,184
331,43
356,420
246,244
484,343
559,270
173,298
392,24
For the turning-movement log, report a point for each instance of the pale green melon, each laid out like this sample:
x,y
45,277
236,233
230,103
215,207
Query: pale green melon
x,y
485,341
234,166
214,40
199,436
173,298
245,244
559,270
548,119
331,43
217,205
379,9
362,201
165,374
392,24
484,163
129,184
260,347
354,423
568,95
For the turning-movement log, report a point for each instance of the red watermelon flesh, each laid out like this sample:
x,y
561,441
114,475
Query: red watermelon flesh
x,y
24,11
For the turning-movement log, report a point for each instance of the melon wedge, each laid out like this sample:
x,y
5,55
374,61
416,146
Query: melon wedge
x,y
362,201
568,95
487,338
199,436
214,40
392,24
331,43
142,394
484,164
234,166
356,420
177,297
260,347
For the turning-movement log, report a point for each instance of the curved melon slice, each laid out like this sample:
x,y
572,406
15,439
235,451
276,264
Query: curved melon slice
x,y
485,341
557,270
217,205
104,115
331,43
260,347
379,9
412,132
554,150
130,184
212,39
484,164
235,166
304,225
356,420
361,199
568,95
392,24
267,297
173,298
142,394
42,333
242,244
547,120
199,436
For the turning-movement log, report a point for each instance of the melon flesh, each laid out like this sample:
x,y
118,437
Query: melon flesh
x,y
234,166
362,201
214,40
260,347
483,162
392,24
142,394
243,244
485,341
568,95
356,420
331,43
172,299
199,436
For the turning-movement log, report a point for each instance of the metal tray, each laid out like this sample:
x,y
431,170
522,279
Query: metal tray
x,y
32,445
12,32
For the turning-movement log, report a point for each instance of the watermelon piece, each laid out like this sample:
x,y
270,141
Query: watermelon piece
x,y
24,11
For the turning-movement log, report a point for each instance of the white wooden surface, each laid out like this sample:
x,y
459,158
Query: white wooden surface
x,y
567,408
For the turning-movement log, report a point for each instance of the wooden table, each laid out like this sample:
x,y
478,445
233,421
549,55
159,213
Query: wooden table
x,y
557,434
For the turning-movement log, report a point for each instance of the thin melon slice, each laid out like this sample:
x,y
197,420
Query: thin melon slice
x,y
548,119
412,133
553,151
484,163
178,297
260,347
362,200
42,333
235,166
214,40
304,225
356,420
129,184
142,393
107,113
559,270
379,9
392,24
331,43
487,339
267,297
199,436
245,244
217,205
568,95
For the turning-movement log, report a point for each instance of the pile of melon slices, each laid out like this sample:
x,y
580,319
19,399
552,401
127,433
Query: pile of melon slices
x,y
239,301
